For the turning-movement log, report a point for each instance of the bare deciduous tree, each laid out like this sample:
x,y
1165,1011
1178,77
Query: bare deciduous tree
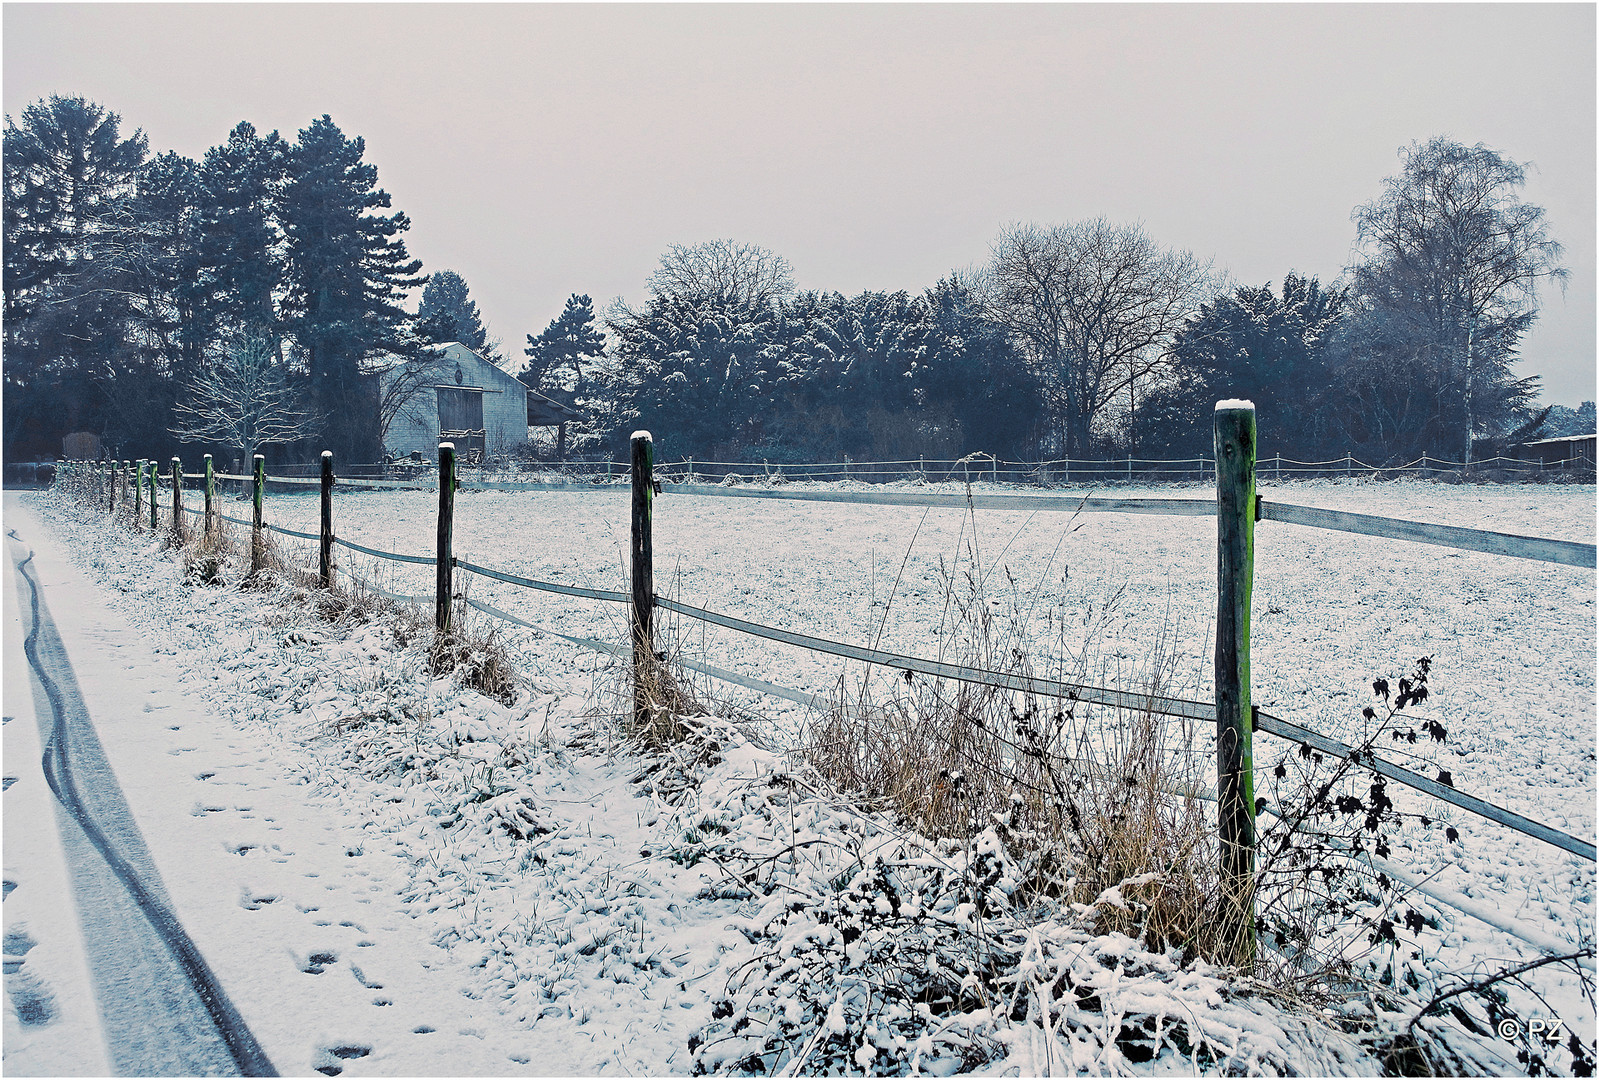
x,y
1095,305
1452,251
742,275
243,401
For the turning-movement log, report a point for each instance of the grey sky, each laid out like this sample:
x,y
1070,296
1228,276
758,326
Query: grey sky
x,y
551,149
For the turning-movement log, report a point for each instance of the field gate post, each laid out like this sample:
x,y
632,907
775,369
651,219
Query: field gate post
x,y
325,562
257,537
210,496
177,500
1235,571
444,555
643,574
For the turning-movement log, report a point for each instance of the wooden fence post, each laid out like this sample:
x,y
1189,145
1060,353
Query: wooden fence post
x,y
138,494
643,575
210,497
444,558
177,500
1235,572
326,561
112,479
155,471
257,537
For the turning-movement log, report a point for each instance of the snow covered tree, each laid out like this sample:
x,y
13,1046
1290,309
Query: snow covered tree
x,y
738,275
243,401
347,271
1453,261
1256,344
694,369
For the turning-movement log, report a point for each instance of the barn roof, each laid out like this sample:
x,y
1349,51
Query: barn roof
x,y
545,411
1561,439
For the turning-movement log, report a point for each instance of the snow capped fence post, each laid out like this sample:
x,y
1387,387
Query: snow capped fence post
x,y
325,563
1235,573
112,479
643,574
210,496
155,472
177,500
138,494
257,538
445,560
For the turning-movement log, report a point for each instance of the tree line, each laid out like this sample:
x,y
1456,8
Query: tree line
x,y
250,298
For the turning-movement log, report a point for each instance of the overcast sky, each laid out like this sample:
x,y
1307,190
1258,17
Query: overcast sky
x,y
542,150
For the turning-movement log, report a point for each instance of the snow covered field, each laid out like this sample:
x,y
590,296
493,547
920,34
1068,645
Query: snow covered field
x,y
492,874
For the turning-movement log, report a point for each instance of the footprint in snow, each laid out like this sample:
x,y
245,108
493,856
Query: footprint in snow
x,y
329,1057
30,997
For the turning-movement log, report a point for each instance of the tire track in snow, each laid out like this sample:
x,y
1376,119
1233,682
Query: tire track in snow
x,y
163,1009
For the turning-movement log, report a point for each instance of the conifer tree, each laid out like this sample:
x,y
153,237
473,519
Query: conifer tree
x,y
346,272
447,314
562,357
69,179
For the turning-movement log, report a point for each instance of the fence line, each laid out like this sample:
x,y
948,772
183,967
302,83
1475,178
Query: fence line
x,y
1537,548
1478,540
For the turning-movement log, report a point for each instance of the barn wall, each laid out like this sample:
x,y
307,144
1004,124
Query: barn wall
x,y
504,414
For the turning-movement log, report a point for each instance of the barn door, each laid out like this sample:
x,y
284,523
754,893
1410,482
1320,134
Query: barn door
x,y
461,418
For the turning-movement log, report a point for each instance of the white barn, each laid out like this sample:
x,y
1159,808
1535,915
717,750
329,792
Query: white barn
x,y
456,396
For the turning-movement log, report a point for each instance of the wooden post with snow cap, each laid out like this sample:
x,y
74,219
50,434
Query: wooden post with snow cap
x,y
325,562
1235,573
642,568
210,496
257,536
444,555
177,500
138,493
155,472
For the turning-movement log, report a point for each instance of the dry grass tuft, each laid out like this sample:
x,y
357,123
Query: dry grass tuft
x,y
1105,806
476,659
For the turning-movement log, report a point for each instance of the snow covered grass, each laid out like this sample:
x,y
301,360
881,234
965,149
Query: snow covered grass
x,y
719,904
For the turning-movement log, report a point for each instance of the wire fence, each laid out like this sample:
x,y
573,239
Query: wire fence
x,y
973,468
1534,548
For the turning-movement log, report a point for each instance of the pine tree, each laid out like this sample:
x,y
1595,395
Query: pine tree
x,y
243,182
69,180
446,314
347,270
562,357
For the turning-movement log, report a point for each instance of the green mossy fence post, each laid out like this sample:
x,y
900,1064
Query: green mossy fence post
x,y
642,568
177,500
210,497
113,478
445,558
325,563
155,472
257,536
1235,573
138,494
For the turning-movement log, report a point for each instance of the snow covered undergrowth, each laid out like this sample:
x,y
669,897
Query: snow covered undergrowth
x,y
604,911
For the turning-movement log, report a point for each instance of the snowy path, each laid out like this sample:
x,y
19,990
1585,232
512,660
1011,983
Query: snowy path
x,y
162,1009
310,939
